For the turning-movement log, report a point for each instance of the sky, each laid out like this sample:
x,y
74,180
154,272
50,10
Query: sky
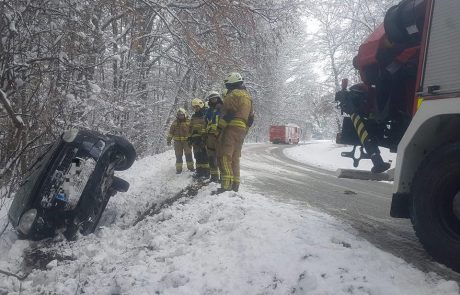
x,y
233,243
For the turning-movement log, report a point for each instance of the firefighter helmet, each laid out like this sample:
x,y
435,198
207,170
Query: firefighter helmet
x,y
196,102
214,99
181,111
233,78
212,94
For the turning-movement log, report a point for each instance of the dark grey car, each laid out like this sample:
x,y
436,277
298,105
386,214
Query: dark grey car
x,y
68,187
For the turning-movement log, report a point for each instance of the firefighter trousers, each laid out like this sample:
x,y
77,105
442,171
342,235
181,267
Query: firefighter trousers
x,y
211,145
181,148
201,159
231,144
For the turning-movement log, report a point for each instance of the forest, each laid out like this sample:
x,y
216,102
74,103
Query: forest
x,y
124,66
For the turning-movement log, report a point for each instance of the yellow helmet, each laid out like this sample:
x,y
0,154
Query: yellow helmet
x,y
233,78
196,102
181,111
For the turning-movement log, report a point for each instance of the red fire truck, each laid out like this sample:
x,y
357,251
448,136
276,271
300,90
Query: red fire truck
x,y
409,102
288,134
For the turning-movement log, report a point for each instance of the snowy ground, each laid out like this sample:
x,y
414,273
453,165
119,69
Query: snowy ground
x,y
326,154
234,243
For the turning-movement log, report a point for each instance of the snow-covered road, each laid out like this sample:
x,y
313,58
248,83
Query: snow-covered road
x,y
233,243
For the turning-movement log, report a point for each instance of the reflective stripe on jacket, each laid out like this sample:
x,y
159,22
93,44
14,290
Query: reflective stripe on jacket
x,y
198,124
237,109
179,130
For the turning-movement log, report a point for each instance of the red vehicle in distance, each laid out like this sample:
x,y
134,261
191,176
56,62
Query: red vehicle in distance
x,y
287,134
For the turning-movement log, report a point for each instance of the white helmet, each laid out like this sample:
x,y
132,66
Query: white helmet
x,y
181,111
212,94
233,78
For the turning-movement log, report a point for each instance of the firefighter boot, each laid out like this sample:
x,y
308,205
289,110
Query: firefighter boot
x,y
379,165
200,173
178,168
215,178
219,191
235,187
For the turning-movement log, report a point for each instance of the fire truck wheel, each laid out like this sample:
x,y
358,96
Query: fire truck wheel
x,y
435,210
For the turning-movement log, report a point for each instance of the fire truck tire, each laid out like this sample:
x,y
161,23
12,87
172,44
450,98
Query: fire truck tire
x,y
435,210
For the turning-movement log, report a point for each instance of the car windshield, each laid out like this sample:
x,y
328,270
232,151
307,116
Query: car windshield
x,y
24,195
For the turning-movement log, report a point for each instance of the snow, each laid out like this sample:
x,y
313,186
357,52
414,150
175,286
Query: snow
x,y
19,82
124,48
94,87
19,120
290,79
12,26
70,97
233,243
7,104
326,154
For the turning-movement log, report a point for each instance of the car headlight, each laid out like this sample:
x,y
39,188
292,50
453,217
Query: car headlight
x,y
27,221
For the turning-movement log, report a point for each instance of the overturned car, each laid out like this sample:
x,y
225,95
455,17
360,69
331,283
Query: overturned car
x,y
68,187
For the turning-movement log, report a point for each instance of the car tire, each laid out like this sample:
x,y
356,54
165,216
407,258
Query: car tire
x,y
435,208
126,150
120,185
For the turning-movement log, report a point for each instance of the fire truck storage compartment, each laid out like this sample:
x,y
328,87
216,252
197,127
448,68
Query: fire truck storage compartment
x,y
442,59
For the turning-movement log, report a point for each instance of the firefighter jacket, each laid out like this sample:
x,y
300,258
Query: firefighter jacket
x,y
198,125
212,120
179,131
237,109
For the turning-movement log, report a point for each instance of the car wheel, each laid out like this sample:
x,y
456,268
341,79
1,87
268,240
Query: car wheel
x,y
435,210
126,150
120,185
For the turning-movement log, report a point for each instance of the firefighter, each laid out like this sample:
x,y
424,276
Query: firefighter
x,y
198,138
180,132
212,120
236,117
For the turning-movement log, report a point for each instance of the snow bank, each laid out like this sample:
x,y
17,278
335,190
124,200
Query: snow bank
x,y
326,154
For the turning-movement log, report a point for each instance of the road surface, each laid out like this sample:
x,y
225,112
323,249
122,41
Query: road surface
x,y
365,205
